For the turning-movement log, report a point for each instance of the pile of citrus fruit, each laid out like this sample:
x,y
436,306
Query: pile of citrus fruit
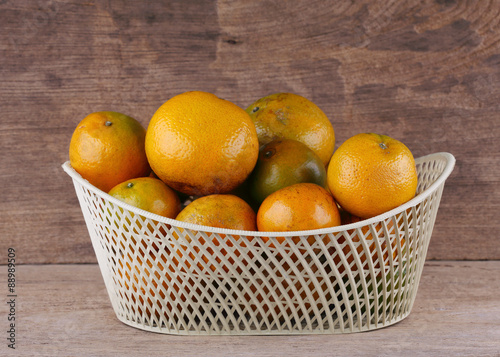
x,y
271,167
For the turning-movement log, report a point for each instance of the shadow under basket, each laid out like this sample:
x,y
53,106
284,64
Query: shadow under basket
x,y
171,277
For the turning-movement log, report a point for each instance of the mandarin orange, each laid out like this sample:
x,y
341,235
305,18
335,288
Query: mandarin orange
x,y
284,162
298,207
222,211
219,210
149,194
107,148
291,116
370,174
200,144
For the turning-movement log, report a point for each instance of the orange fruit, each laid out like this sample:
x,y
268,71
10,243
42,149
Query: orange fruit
x,y
108,148
370,174
149,194
285,162
291,116
222,211
219,210
298,207
200,144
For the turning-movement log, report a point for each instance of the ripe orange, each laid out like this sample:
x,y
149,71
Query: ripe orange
x,y
285,162
302,206
200,144
370,174
298,207
108,148
222,211
291,116
149,194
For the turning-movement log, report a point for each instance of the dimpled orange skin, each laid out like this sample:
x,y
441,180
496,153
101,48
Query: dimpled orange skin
x,y
107,148
149,194
370,174
298,207
200,144
291,116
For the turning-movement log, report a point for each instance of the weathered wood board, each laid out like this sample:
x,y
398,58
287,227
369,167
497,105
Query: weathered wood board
x,y
424,72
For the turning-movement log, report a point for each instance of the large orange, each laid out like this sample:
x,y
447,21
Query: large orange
x,y
222,211
200,144
370,174
291,116
107,148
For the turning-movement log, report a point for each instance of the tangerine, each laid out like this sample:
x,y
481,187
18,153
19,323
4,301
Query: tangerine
x,y
302,206
285,162
219,210
107,148
149,194
298,207
370,174
222,211
291,116
200,144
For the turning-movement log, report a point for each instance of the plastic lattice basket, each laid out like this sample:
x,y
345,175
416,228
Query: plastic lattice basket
x,y
167,276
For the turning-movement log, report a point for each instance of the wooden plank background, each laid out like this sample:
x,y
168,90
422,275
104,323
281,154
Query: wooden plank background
x,y
424,72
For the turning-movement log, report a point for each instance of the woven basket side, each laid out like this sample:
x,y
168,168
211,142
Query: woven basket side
x,y
166,277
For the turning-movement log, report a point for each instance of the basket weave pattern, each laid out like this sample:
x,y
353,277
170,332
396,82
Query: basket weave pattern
x,y
172,277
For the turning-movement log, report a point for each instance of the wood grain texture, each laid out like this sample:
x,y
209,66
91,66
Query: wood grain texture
x,y
64,310
424,72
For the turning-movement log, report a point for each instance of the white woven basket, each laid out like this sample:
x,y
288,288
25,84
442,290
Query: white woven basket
x,y
167,276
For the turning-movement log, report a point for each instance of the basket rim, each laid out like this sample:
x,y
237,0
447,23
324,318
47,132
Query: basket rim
x,y
450,163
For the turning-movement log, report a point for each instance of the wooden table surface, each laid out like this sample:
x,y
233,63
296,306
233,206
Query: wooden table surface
x,y
64,310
